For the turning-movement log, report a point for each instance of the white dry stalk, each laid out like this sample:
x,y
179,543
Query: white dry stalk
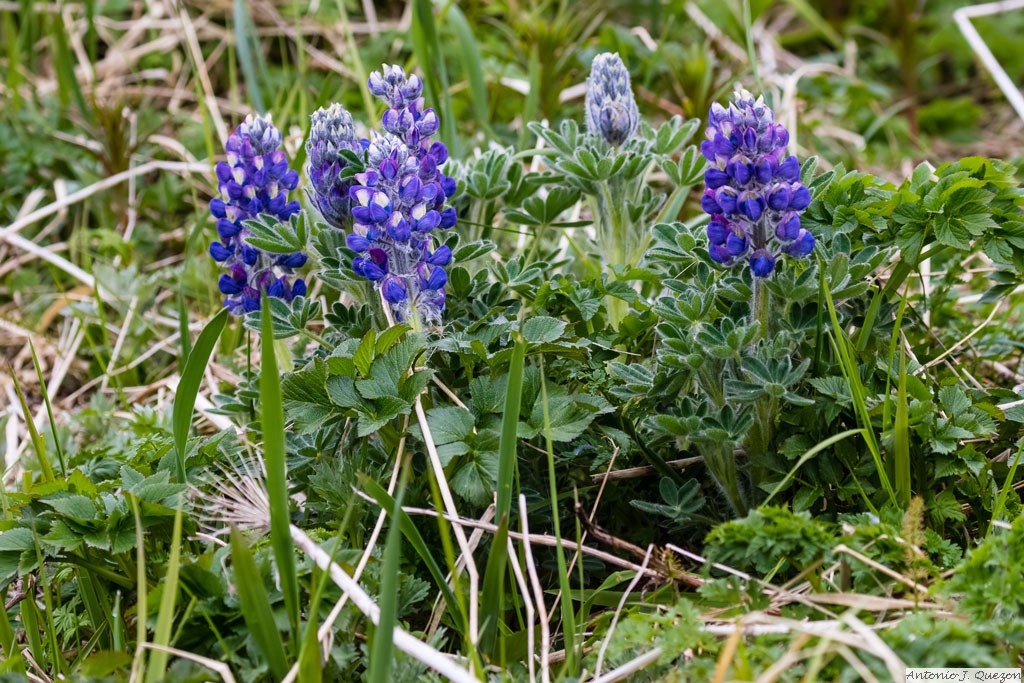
x,y
538,595
539,539
844,550
199,64
403,640
460,564
524,591
243,501
449,503
222,669
325,633
100,186
590,517
630,667
856,664
877,647
963,17
460,535
618,611
119,343
938,359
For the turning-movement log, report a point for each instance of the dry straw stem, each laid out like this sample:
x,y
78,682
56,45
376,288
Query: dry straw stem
x,y
326,631
524,592
449,503
618,611
403,640
222,669
538,593
630,667
539,539
243,502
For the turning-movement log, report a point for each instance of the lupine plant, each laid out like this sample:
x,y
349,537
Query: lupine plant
x,y
610,164
255,180
582,436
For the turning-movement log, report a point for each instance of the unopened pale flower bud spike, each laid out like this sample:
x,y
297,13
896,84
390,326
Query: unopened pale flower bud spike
x,y
752,188
330,134
611,109
254,180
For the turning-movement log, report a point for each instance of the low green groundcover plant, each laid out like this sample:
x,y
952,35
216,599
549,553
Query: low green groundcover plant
x,y
662,401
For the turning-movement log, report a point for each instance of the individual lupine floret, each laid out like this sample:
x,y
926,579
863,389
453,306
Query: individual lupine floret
x,y
330,134
400,200
753,190
254,180
611,109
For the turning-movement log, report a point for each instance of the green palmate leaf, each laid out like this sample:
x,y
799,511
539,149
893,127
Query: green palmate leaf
x,y
272,420
542,329
277,237
255,604
188,387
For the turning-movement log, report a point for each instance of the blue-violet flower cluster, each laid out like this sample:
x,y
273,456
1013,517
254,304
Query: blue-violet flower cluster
x,y
254,180
611,109
753,193
330,134
399,201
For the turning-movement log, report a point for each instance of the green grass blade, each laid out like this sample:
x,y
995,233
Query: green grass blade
x,y
188,388
64,65
30,621
820,24
857,394
142,586
37,440
494,575
807,456
13,661
869,321
255,604
165,617
472,61
245,40
893,345
272,422
531,105
901,437
568,616
49,410
14,76
382,644
1004,493
56,653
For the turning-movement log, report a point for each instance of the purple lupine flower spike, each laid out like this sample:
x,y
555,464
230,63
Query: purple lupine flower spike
x,y
254,180
399,202
752,188
610,106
